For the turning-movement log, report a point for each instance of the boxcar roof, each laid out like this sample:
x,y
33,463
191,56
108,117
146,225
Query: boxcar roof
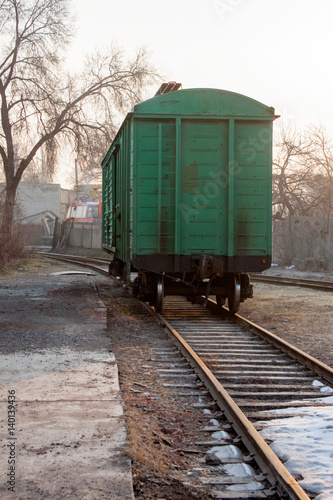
x,y
204,102
199,103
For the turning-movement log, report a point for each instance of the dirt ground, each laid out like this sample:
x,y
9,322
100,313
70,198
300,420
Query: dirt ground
x,y
301,316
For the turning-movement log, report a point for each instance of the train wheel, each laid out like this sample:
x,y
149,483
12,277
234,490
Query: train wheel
x,y
220,300
159,293
234,294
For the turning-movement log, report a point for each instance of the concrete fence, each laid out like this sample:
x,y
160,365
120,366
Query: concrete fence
x,y
306,242
82,234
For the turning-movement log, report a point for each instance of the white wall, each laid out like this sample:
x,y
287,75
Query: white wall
x,y
33,198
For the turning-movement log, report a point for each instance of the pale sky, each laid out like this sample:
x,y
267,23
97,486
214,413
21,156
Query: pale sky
x,y
276,51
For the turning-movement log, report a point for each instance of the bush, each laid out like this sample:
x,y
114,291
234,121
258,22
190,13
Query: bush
x,y
11,249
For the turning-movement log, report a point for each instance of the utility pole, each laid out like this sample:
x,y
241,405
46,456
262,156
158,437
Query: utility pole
x,y
76,175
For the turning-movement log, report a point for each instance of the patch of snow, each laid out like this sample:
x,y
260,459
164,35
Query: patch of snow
x,y
221,435
215,422
304,443
238,470
326,495
327,390
304,409
323,388
252,486
229,451
207,412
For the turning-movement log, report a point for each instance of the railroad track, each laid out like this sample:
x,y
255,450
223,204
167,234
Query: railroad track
x,y
323,285
101,265
260,371
249,372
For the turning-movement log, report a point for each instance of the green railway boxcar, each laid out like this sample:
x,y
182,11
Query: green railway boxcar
x,y
187,194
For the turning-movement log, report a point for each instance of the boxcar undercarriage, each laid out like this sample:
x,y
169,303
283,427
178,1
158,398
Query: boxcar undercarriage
x,y
206,278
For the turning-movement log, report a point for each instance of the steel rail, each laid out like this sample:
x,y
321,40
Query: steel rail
x,y
79,260
265,457
326,286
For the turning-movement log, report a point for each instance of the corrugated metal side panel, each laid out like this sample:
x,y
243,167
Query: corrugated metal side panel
x,y
123,212
252,188
155,186
107,204
166,206
135,187
125,236
117,195
131,187
146,186
222,171
203,186
119,199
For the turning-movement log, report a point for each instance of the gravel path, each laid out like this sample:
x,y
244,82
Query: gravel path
x,y
66,426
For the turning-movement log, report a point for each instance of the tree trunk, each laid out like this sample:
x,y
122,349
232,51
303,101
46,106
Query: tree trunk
x,y
8,240
8,212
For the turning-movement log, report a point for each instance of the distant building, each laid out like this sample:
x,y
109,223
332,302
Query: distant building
x,y
33,199
38,205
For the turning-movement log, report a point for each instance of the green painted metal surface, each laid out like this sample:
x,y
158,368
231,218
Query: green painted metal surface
x,y
188,173
202,103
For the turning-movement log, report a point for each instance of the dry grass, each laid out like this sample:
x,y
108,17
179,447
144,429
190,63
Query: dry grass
x,y
25,263
11,251
303,317
142,447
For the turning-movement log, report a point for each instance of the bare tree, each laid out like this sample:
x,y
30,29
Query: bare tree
x,y
303,173
41,105
322,160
